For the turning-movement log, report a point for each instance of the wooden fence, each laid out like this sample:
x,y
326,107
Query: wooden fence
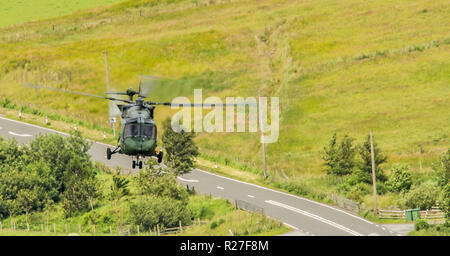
x,y
124,230
433,213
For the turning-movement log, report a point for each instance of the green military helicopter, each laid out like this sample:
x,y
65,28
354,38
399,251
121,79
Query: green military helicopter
x,y
138,134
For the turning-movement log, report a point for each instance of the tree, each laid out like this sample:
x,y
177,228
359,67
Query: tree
x,y
180,148
400,179
442,172
340,158
366,164
92,191
27,198
331,156
119,188
10,153
423,196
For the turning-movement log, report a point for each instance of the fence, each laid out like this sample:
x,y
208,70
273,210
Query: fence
x,y
433,213
246,206
103,230
346,203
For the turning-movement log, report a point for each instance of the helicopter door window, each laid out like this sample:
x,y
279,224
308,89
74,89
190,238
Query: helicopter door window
x,y
148,130
131,130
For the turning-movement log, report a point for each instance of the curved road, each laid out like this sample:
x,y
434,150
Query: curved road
x,y
305,216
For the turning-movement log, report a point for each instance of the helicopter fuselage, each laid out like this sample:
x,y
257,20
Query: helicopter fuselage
x,y
138,134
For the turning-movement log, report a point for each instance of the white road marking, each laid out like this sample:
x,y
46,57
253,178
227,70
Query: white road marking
x,y
250,196
20,135
291,226
291,195
220,188
329,222
186,180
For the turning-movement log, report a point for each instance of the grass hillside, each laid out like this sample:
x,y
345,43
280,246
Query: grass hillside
x,y
16,12
345,66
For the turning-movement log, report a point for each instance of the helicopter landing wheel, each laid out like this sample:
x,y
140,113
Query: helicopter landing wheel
x,y
140,164
134,164
108,154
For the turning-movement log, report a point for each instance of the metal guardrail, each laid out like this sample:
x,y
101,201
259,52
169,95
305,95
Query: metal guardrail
x,y
246,206
346,203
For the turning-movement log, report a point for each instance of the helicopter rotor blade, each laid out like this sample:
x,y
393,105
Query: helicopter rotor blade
x,y
117,93
252,104
71,92
113,110
146,83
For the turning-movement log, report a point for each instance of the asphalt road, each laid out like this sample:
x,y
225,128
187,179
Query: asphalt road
x,y
305,216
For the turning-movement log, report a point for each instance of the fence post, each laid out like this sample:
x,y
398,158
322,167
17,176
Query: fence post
x,y
28,227
14,223
66,228
42,228
1,226
137,229
54,228
79,228
157,226
110,230
181,227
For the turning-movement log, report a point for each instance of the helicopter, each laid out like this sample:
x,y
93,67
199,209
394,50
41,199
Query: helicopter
x,y
138,135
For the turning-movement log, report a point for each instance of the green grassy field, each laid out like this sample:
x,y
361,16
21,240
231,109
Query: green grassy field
x,y
345,66
17,12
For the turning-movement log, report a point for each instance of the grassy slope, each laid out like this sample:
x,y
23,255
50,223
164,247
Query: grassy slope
x,y
336,66
16,12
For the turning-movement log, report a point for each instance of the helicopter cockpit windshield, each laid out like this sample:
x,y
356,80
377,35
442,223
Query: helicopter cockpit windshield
x,y
148,130
131,130
142,130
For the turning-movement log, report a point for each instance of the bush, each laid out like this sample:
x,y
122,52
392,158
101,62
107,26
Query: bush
x,y
163,186
150,211
422,196
213,225
400,179
421,224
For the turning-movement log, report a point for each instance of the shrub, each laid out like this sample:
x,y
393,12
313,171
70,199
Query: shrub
x,y
163,186
400,179
421,224
150,211
422,196
213,225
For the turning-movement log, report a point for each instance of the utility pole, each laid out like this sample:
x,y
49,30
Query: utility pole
x,y
107,86
262,134
373,174
107,69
